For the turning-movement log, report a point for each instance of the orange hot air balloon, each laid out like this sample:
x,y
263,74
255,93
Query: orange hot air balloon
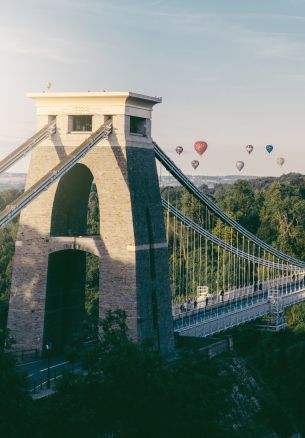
x,y
200,147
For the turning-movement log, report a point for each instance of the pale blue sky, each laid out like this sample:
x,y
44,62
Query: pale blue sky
x,y
231,72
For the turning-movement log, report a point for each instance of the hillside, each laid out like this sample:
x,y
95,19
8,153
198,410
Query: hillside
x,y
256,391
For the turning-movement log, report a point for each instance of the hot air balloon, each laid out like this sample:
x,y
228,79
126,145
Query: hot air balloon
x,y
280,161
239,165
200,147
249,148
269,148
195,164
179,150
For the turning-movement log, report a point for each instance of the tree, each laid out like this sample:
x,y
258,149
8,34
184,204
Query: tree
x,y
16,407
295,318
132,392
283,218
7,245
240,202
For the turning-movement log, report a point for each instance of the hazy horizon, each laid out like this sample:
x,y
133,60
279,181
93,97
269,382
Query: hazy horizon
x,y
231,73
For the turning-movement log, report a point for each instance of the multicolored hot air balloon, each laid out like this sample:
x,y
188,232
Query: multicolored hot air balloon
x,y
280,161
179,150
269,148
239,165
195,164
249,148
200,146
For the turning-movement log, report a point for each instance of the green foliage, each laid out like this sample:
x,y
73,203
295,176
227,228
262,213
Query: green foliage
x,y
241,202
16,415
128,390
295,318
283,218
93,212
91,321
133,392
278,359
7,245
273,209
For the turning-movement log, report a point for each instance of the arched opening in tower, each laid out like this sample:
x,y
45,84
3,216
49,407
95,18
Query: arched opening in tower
x,y
75,209
71,309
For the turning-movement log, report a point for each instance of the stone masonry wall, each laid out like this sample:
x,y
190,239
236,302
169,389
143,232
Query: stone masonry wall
x,y
131,246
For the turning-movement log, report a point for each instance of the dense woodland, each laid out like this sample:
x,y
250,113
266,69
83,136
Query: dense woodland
x,y
128,391
7,245
271,209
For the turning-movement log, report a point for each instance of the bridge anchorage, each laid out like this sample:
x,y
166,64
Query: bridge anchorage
x,y
174,263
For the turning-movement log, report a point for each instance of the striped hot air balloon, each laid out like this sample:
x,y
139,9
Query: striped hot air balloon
x,y
179,150
249,148
195,164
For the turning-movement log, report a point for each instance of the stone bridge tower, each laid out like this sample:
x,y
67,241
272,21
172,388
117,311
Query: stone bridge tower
x,y
49,270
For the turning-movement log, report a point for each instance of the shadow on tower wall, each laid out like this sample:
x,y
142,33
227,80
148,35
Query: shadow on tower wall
x,y
32,304
51,307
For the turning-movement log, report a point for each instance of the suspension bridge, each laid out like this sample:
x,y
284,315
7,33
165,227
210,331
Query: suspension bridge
x,y
174,262
221,274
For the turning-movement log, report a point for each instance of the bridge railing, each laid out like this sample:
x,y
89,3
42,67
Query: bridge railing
x,y
48,381
26,355
249,296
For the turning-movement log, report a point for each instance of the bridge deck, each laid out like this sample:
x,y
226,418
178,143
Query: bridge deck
x,y
228,314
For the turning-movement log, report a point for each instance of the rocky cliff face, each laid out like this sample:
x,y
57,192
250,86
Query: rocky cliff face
x,y
254,409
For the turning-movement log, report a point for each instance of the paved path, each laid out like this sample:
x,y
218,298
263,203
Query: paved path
x,y
37,371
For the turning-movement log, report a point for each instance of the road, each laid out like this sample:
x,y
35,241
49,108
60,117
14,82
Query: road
x,y
37,370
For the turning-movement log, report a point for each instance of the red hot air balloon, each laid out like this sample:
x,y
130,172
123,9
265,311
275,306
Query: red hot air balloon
x,y
200,147
179,150
195,164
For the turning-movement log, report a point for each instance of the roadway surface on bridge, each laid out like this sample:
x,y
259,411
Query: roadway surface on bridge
x,y
192,317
